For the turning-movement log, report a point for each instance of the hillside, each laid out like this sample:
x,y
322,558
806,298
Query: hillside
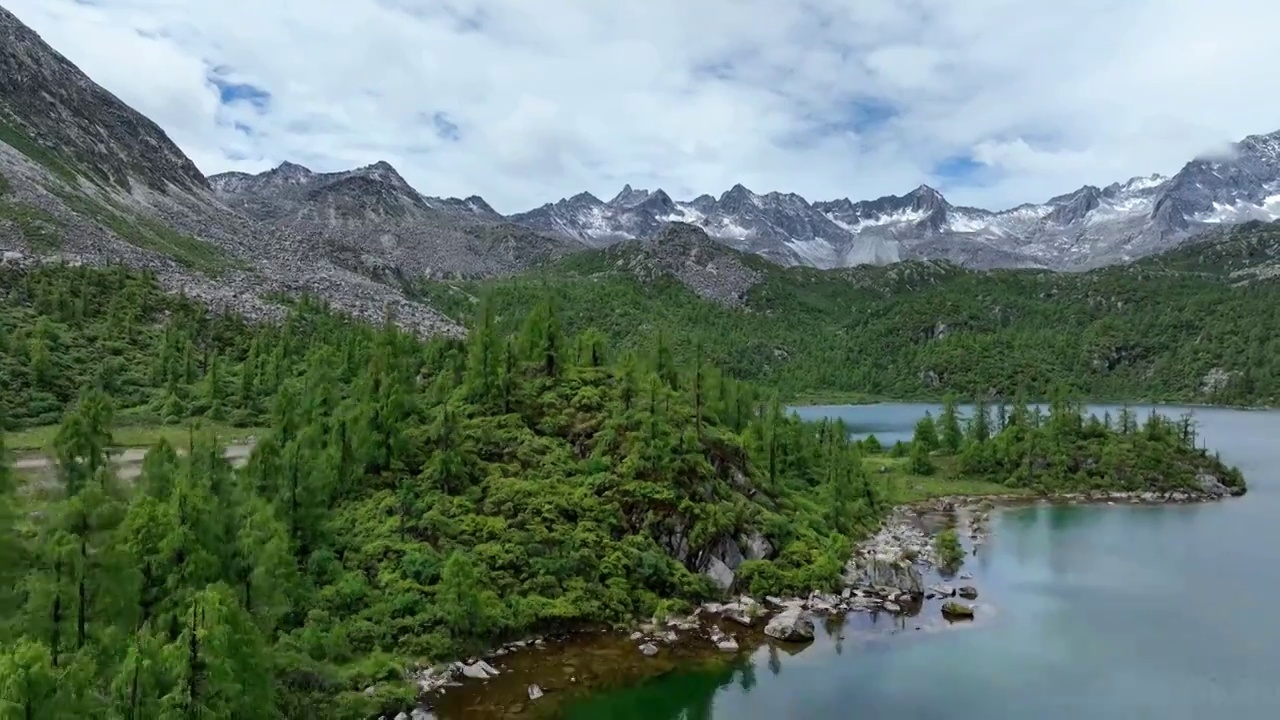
x,y
1195,324
85,179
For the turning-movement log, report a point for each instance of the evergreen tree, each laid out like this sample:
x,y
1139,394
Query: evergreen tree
x,y
951,437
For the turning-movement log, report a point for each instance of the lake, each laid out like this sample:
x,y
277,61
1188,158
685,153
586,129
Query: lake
x,y
1100,612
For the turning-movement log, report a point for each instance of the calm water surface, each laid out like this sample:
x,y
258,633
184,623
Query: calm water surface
x,y
1100,612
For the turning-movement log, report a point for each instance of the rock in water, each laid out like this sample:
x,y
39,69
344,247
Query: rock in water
x,y
900,574
957,611
421,714
479,670
942,590
728,644
968,592
535,692
649,649
792,625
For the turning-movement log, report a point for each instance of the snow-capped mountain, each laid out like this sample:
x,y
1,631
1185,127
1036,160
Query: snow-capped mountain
x,y
1086,228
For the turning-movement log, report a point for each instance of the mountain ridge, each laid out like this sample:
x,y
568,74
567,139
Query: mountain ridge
x,y
86,179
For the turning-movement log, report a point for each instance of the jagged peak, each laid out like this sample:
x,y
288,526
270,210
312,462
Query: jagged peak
x,y
738,192
381,170
584,197
629,196
291,168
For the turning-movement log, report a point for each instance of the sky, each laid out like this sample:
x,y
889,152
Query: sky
x,y
994,102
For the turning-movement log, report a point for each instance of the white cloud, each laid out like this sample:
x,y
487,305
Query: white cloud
x,y
558,96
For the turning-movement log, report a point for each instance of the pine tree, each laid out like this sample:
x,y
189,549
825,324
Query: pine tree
x,y
926,434
951,437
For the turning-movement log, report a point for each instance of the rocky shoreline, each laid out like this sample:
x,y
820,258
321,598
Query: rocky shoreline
x,y
885,574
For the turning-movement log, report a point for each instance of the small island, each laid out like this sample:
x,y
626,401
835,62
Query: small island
x,y
417,513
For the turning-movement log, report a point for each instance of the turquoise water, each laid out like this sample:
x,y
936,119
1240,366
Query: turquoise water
x,y
1098,612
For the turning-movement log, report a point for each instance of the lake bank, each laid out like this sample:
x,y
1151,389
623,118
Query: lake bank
x,y
864,629
541,679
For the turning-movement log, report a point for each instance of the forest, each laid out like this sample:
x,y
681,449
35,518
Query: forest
x,y
1197,324
414,501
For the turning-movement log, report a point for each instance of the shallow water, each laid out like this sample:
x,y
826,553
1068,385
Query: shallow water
x,y
1093,612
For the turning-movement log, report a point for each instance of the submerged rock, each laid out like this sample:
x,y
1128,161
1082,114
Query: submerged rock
x,y
968,592
957,611
648,649
791,625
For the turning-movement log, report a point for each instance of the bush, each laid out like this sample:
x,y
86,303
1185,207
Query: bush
x,y
950,551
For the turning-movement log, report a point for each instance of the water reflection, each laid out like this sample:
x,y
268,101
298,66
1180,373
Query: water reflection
x,y
680,696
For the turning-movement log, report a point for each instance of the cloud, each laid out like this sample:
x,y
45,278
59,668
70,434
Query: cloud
x,y
996,102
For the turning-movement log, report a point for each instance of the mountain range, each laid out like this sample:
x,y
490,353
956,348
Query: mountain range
x,y
1087,228
84,178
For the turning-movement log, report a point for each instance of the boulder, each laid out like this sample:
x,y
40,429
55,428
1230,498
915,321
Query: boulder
x,y
720,574
479,670
421,714
685,623
942,589
728,644
957,611
898,574
1211,484
758,547
648,649
791,625
535,692
402,716
744,612
968,592
892,607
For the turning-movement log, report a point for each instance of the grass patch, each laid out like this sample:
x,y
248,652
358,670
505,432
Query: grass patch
x,y
904,487
148,234
42,231
40,438
50,160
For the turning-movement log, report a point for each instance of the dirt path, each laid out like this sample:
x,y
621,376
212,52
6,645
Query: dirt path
x,y
128,461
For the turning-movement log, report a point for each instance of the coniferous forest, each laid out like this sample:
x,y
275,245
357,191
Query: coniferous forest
x,y
412,501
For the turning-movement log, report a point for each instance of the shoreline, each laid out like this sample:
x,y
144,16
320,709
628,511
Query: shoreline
x,y
837,401
894,572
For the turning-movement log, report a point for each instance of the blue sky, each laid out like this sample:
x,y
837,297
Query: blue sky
x,y
995,102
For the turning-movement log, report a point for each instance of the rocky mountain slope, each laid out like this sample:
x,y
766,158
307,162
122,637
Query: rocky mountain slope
x,y
684,253
86,179
1088,228
372,219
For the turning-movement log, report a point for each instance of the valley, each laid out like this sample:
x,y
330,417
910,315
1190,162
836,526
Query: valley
x,y
314,444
